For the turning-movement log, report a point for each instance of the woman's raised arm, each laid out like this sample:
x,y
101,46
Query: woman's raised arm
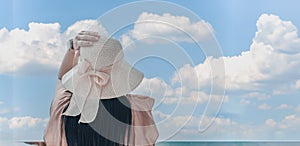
x,y
83,39
70,60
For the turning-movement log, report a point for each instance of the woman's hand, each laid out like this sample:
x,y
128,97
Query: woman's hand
x,y
85,39
82,39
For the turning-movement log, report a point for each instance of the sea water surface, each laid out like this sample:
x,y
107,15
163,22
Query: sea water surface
x,y
229,143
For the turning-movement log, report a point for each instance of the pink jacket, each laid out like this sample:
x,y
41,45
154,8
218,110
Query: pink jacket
x,y
143,131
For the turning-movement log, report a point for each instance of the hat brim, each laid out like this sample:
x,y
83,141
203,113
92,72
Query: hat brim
x,y
123,79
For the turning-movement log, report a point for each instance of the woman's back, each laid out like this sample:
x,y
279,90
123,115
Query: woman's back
x,y
111,126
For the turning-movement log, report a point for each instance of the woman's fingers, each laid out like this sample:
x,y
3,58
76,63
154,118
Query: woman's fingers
x,y
90,33
87,38
83,44
80,43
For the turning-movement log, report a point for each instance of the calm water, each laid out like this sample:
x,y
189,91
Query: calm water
x,y
228,144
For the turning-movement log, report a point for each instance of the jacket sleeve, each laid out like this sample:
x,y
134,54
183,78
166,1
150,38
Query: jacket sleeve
x,y
54,134
143,130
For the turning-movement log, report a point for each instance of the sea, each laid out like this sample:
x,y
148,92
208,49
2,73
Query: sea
x,y
230,143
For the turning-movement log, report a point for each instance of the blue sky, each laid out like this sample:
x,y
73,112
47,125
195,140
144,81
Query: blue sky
x,y
259,41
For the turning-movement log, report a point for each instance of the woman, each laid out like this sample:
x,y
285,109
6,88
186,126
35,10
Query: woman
x,y
74,122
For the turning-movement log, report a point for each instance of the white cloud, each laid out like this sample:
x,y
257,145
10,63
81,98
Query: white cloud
x,y
270,122
3,119
43,45
280,35
284,107
159,116
290,122
15,123
154,87
188,75
167,26
9,110
264,107
257,95
297,85
228,129
27,121
244,102
1,102
275,44
168,94
3,122
221,129
194,97
239,72
278,92
19,47
127,42
21,128
4,111
91,25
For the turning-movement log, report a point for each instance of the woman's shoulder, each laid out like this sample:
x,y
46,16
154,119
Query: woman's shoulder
x,y
139,96
140,102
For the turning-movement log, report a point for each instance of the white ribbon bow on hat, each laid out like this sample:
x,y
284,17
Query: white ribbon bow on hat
x,y
99,78
88,79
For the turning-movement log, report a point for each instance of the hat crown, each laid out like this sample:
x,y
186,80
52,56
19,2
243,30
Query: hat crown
x,y
103,53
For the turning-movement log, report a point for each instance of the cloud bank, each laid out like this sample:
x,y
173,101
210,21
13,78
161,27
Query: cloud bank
x,y
167,26
270,63
42,46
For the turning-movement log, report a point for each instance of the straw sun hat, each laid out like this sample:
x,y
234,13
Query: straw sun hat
x,y
102,73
